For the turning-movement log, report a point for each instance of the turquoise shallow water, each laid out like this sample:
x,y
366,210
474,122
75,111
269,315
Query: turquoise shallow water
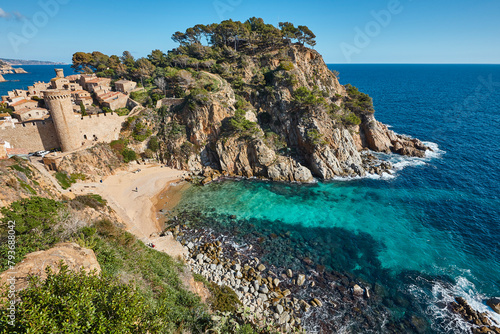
x,y
432,231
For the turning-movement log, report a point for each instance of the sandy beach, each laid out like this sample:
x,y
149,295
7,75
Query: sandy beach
x,y
133,195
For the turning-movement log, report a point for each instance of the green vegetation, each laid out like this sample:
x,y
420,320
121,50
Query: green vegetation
x,y
122,111
128,155
305,97
23,169
224,299
153,144
93,201
286,65
138,290
83,111
27,187
66,181
351,119
86,303
122,151
357,102
315,137
241,126
141,132
35,219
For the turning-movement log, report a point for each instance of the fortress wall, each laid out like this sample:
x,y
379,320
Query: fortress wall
x,y
33,136
99,128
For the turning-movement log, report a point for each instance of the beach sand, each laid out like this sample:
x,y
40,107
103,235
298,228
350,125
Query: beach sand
x,y
133,195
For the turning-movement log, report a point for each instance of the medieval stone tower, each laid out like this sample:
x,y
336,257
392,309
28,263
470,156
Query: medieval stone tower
x,y
59,72
59,104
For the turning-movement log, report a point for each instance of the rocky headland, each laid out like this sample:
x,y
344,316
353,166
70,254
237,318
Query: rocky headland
x,y
6,68
280,115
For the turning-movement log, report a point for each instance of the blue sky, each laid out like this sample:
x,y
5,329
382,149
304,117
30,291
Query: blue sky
x,y
355,31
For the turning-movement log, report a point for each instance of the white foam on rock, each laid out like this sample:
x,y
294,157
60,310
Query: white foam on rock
x,y
442,295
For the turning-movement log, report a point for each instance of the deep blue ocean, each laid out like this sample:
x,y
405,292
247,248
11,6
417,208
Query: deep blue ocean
x,y
429,233
35,73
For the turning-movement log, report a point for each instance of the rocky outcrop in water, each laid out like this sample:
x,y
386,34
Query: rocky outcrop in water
x,y
480,321
280,115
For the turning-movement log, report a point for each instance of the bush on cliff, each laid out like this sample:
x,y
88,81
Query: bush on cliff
x,y
34,220
305,97
241,126
358,102
72,302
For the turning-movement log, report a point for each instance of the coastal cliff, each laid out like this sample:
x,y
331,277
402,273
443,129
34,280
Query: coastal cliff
x,y
252,101
280,115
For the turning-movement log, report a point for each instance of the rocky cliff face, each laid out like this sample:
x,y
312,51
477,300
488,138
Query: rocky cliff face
x,y
282,115
94,162
19,179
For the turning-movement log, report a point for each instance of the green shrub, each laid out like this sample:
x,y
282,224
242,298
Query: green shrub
x,y
63,180
286,65
23,169
315,137
351,119
240,125
34,220
122,111
118,145
306,97
128,155
358,102
66,181
153,144
72,302
141,132
91,200
223,299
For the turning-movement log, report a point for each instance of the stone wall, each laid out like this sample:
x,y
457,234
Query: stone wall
x,y
99,128
41,135
33,136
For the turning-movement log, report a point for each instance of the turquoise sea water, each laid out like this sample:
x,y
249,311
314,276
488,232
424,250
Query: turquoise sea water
x,y
429,233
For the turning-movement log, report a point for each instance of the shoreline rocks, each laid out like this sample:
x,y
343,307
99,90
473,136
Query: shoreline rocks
x,y
290,300
480,321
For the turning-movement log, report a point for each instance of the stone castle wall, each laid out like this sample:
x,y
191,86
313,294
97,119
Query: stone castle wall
x,y
99,128
33,136
41,135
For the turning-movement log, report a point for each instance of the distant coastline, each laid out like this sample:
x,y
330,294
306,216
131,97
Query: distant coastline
x,y
20,62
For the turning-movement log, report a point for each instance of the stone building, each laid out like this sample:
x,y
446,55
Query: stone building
x,y
62,128
125,86
82,97
59,83
37,88
113,100
25,114
23,104
93,83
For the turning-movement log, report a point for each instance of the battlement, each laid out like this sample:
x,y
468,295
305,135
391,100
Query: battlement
x,y
56,97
